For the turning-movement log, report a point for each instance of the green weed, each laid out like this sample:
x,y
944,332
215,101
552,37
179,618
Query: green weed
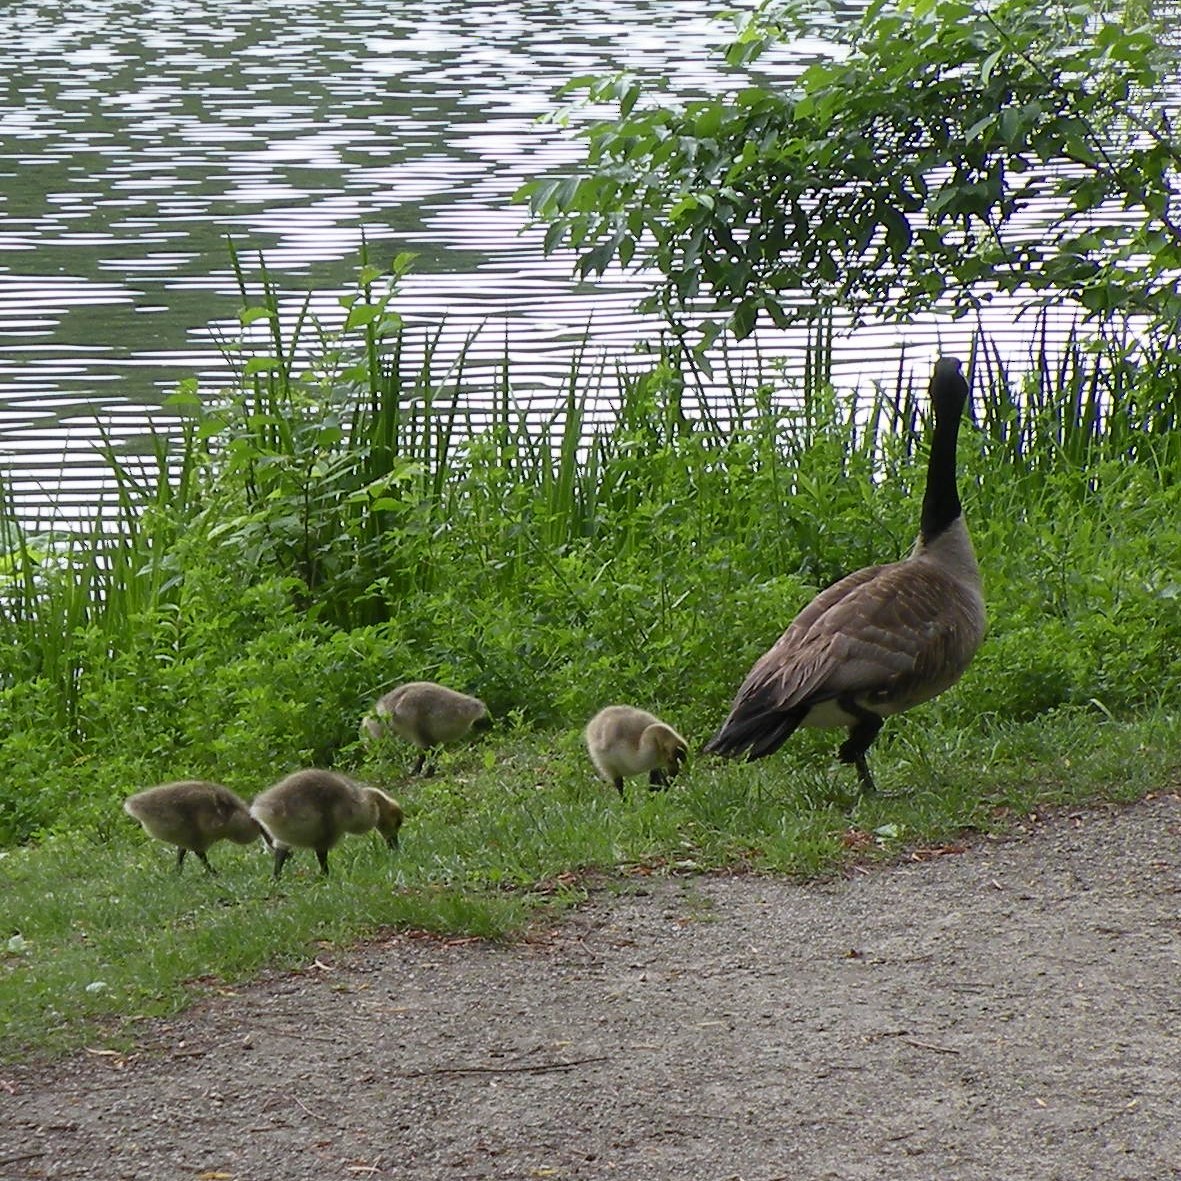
x,y
341,522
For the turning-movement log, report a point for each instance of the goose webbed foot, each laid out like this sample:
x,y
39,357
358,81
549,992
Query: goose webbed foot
x,y
868,787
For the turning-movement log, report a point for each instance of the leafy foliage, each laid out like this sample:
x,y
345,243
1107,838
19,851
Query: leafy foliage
x,y
946,151
327,530
292,559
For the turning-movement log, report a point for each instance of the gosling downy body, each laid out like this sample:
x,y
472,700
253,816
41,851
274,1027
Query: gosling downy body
x,y
624,741
314,809
192,815
883,639
426,715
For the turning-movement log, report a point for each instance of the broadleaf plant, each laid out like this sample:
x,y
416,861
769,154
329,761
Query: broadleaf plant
x,y
946,151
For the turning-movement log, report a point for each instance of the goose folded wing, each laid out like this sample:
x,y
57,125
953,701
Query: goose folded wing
x,y
874,635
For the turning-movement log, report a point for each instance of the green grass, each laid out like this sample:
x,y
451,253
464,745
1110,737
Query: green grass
x,y
311,537
510,833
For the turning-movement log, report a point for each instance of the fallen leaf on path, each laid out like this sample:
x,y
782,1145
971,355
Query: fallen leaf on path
x,y
857,838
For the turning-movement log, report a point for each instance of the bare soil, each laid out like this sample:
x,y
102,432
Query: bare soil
x,y
1010,1012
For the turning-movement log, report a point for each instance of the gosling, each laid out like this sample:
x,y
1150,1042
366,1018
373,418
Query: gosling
x,y
625,741
427,716
192,815
314,809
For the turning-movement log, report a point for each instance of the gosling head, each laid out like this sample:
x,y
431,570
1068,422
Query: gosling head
x,y
389,816
666,750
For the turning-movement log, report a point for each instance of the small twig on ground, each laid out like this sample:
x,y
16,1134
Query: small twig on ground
x,y
301,1034
911,1041
313,1114
12,1160
914,1041
538,1068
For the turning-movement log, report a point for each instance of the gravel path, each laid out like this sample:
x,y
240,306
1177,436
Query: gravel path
x,y
1012,1012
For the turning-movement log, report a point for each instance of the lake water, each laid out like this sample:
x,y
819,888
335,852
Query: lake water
x,y
136,137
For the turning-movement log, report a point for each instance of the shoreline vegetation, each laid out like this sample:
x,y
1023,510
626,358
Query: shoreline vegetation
x,y
334,527
340,522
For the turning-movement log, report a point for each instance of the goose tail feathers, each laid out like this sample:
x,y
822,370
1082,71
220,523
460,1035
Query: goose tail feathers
x,y
755,734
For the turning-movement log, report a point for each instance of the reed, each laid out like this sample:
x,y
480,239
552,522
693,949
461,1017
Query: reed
x,y
348,506
346,518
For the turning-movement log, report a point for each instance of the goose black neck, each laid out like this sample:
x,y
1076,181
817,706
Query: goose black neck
x,y
941,500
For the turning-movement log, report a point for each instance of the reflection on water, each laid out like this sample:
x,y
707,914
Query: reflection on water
x,y
136,136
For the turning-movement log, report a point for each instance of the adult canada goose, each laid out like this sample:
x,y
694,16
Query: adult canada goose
x,y
192,815
625,741
314,809
424,714
882,639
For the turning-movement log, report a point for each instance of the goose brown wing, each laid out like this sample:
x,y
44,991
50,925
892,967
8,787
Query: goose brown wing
x,y
889,628
769,704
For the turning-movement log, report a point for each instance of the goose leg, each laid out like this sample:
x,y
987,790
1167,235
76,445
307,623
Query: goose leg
x,y
868,786
180,857
657,780
322,858
418,765
205,862
861,736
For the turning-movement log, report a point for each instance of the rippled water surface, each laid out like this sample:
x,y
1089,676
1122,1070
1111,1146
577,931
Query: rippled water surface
x,y
136,137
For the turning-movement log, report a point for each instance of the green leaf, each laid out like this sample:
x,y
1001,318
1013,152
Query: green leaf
x,y
743,319
263,365
898,233
362,314
989,64
185,395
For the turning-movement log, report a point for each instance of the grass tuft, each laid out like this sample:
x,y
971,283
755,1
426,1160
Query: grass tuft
x,y
343,520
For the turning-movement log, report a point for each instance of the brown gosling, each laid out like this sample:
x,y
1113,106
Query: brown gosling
x,y
427,716
314,809
883,639
625,741
192,815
